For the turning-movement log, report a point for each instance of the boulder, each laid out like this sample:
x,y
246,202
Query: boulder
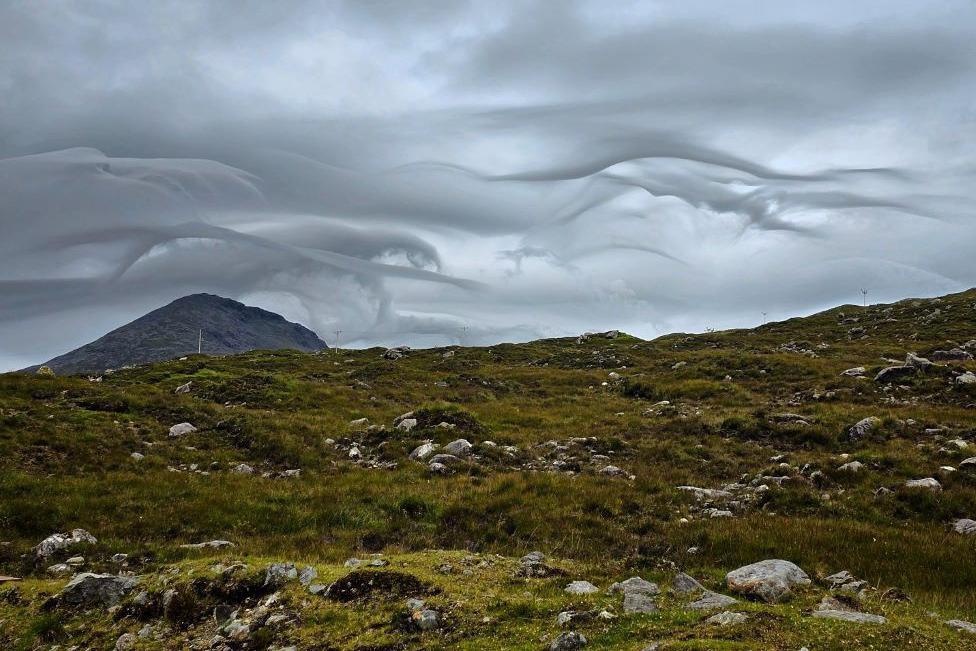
x,y
279,574
951,355
59,541
639,602
458,448
423,451
88,590
684,584
706,494
928,483
183,388
830,608
445,459
727,618
210,544
965,526
406,424
913,360
771,581
711,601
425,620
863,428
634,585
581,587
857,371
894,373
851,466
961,625
181,428
966,378
126,642
569,641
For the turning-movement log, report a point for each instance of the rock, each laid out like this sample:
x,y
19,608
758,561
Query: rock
x,y
183,388
75,561
181,428
533,566
913,360
960,625
711,601
893,373
706,494
771,581
634,584
581,587
88,590
126,642
458,448
59,569
863,428
569,641
612,471
445,459
951,355
438,469
415,604
966,378
359,424
307,575
965,526
242,469
119,558
425,620
857,371
210,544
968,463
717,513
851,466
727,618
396,352
406,424
423,451
928,483
845,583
9,579
639,602
279,574
684,584
830,608
354,453
59,541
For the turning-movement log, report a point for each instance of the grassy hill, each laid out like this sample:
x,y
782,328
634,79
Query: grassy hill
x,y
764,413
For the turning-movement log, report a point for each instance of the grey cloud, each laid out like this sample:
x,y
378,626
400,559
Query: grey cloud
x,y
402,171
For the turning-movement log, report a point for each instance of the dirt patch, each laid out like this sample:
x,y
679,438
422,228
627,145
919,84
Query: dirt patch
x,y
383,584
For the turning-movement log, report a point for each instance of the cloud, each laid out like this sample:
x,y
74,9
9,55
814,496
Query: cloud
x,y
454,170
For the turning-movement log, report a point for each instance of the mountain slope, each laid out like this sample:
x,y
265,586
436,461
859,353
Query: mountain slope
x,y
173,330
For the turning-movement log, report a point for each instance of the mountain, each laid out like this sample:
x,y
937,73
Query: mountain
x,y
172,331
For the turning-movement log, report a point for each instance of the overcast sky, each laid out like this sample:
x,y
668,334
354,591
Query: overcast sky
x,y
433,171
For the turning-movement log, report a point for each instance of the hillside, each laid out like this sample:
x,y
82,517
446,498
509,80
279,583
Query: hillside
x,y
174,330
684,457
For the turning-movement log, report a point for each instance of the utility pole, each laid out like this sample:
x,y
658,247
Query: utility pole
x,y
764,317
200,342
337,333
864,295
464,333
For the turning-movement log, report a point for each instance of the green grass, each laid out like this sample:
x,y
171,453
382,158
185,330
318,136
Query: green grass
x,y
65,446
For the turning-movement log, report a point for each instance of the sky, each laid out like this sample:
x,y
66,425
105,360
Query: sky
x,y
438,171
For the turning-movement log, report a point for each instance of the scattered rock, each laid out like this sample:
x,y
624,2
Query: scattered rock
x,y
359,424
458,448
88,590
727,618
425,620
961,625
851,466
893,373
210,544
965,526
639,602
407,424
966,378
423,451
711,601
634,584
684,584
928,483
126,642
581,587
533,566
307,575
183,388
913,360
569,641
181,428
771,581
830,608
59,541
137,456
863,428
279,574
857,371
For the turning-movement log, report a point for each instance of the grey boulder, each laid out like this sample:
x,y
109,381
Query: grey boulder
x,y
771,581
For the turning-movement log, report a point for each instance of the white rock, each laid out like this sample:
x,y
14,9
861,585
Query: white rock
x,y
181,428
407,424
581,587
928,483
965,526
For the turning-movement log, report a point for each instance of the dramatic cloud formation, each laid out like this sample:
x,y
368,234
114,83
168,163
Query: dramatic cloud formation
x,y
440,171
